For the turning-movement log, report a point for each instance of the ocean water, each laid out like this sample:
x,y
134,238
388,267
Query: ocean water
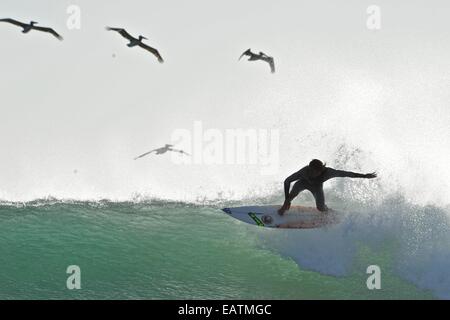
x,y
155,249
76,113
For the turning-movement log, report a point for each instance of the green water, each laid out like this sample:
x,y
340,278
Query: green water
x,y
163,251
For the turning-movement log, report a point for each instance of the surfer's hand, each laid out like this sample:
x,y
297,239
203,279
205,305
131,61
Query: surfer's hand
x,y
286,206
371,175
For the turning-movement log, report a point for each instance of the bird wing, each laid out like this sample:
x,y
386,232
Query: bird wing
x,y
15,22
152,50
272,65
180,151
144,154
49,30
248,52
262,54
122,32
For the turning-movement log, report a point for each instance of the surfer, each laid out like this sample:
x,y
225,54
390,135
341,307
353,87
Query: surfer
x,y
312,178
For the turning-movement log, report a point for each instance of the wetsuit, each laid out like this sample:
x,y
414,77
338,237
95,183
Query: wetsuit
x,y
314,184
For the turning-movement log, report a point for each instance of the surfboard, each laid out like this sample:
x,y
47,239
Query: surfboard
x,y
298,217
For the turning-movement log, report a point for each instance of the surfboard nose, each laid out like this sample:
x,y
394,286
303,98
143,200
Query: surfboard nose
x,y
227,210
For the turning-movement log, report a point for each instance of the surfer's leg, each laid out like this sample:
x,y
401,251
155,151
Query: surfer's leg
x,y
298,187
320,199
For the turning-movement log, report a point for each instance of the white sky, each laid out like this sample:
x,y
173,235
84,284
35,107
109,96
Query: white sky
x,y
71,105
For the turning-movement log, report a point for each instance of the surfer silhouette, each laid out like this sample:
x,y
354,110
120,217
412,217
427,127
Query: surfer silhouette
x,y
311,178
167,147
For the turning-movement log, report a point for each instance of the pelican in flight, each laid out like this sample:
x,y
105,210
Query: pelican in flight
x,y
137,42
27,27
260,56
167,147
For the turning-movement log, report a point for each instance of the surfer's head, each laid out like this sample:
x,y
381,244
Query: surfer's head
x,y
316,167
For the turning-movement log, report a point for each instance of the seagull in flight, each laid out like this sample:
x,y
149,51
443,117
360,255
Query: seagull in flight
x,y
166,148
27,27
259,56
137,42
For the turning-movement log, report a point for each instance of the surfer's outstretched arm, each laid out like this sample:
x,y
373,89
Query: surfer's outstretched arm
x,y
333,173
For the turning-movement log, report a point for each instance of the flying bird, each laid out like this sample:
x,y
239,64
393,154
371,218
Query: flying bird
x,y
137,42
27,27
166,148
260,56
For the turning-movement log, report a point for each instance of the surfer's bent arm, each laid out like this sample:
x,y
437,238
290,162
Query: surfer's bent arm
x,y
293,177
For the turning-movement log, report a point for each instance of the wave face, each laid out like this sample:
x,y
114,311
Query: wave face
x,y
173,250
